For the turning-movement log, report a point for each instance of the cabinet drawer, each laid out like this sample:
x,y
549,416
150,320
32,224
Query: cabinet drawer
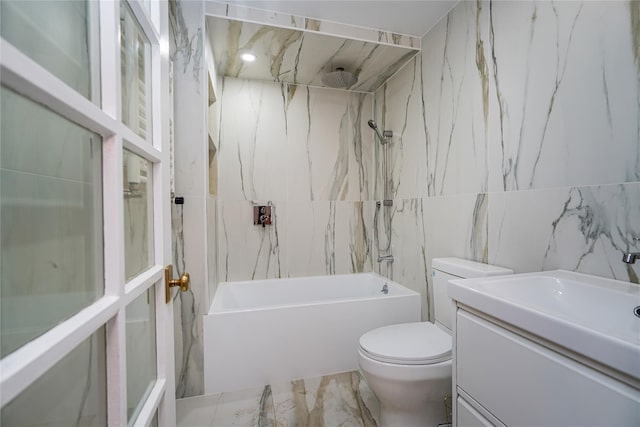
x,y
467,416
523,383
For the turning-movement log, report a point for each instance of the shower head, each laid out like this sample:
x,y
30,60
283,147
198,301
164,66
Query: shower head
x,y
339,79
384,138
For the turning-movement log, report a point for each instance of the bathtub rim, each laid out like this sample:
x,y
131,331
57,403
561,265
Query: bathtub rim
x,y
406,292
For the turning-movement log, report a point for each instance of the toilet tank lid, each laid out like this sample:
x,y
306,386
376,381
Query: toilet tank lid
x,y
467,269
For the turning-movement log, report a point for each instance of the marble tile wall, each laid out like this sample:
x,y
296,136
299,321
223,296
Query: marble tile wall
x,y
304,151
189,220
516,140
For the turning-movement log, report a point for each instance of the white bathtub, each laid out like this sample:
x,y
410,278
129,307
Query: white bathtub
x,y
270,331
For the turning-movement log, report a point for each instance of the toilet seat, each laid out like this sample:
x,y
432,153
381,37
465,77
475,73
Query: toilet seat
x,y
421,343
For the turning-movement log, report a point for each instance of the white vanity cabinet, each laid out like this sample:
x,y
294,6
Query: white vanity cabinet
x,y
504,375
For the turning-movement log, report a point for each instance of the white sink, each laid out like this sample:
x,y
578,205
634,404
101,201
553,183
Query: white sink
x,y
589,315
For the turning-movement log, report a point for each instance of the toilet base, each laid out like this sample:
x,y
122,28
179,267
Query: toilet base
x,y
409,395
429,415
428,412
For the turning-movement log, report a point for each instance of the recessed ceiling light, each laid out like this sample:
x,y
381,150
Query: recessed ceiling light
x,y
248,57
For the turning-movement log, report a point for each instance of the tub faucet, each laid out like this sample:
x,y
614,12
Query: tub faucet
x,y
630,257
385,289
385,258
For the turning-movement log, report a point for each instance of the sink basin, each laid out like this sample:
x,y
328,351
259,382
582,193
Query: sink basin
x,y
589,315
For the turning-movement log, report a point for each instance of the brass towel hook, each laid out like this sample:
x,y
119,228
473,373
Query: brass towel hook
x,y
169,283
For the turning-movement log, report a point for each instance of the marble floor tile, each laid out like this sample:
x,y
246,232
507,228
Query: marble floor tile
x,y
334,400
198,411
246,408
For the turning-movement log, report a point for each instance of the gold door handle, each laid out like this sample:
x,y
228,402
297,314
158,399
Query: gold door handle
x,y
169,283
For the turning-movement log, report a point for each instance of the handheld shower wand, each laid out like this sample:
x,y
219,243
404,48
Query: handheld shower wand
x,y
374,126
384,137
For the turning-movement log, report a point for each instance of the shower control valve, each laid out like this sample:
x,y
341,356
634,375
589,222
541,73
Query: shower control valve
x,y
262,215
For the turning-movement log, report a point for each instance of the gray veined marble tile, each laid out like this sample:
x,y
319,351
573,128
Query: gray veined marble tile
x,y
518,220
408,246
187,51
247,408
318,145
253,145
212,247
634,15
360,237
189,221
564,94
328,238
340,399
197,411
584,229
597,225
321,157
404,116
239,12
456,226
455,102
361,167
327,157
290,55
247,251
187,240
478,243
188,48
285,20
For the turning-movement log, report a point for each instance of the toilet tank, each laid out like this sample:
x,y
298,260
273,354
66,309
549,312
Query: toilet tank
x,y
445,269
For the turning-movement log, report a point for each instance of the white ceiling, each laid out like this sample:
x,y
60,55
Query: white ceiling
x,y
412,18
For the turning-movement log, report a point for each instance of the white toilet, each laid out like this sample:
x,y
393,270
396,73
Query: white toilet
x,y
408,366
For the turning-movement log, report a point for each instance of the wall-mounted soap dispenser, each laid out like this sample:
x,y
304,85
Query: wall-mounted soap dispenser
x,y
262,215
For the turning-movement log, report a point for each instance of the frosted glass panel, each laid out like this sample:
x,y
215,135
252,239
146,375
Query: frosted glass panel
x,y
141,351
59,35
50,219
138,215
72,393
134,57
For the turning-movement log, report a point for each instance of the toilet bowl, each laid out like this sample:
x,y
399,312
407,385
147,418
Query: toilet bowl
x,y
408,365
